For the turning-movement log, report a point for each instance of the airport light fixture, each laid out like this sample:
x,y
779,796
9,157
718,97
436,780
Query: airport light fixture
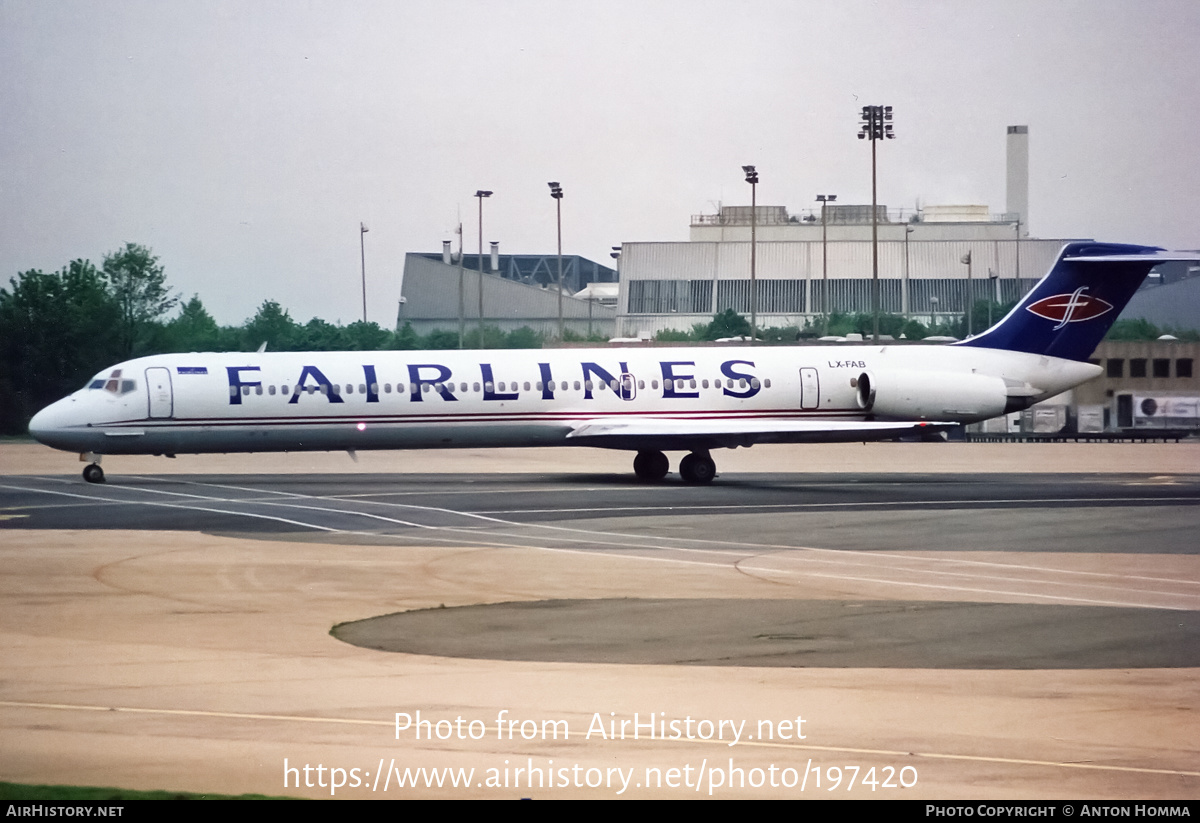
x,y
752,179
480,194
557,193
966,260
906,295
824,200
876,125
362,251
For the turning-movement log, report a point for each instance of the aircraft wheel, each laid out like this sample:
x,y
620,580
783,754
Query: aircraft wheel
x,y
93,473
651,465
697,468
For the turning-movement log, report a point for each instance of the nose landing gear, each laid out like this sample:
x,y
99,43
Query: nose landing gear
x,y
92,472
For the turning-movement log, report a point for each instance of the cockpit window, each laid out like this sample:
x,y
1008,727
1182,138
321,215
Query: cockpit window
x,y
113,383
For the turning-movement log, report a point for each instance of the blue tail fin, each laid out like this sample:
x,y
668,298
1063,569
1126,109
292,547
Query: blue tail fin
x,y
1071,309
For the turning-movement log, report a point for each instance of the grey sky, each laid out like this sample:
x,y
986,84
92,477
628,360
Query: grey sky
x,y
244,141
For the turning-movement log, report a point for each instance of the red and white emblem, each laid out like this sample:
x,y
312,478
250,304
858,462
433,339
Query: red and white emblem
x,y
1070,308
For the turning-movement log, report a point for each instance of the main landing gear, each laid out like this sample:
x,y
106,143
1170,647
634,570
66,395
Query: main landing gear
x,y
696,468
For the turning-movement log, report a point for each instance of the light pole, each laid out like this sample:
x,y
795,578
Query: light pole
x,y
966,258
481,194
557,193
906,297
933,302
876,125
362,251
752,179
995,293
1018,255
462,309
824,200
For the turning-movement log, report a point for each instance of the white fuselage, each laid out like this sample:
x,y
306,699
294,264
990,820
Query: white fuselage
x,y
285,401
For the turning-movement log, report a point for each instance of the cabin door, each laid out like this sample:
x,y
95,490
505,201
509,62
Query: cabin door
x,y
810,389
158,387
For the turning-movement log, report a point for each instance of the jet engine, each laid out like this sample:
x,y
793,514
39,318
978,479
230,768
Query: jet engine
x,y
910,395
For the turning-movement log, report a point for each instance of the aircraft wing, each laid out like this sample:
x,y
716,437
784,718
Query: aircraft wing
x,y
720,432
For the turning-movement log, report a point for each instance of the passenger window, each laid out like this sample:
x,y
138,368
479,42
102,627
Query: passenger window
x,y
526,385
349,388
767,383
283,390
258,390
245,391
271,390
754,384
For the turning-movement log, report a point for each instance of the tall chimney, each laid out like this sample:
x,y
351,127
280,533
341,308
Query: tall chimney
x,y
495,255
446,252
1016,190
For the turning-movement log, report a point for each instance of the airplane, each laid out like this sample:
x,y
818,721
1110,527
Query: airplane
x,y
646,400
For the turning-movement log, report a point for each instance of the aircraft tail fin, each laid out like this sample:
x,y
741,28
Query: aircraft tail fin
x,y
1070,310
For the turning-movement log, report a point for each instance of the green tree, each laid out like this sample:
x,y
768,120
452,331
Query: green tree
x,y
194,329
523,338
320,335
727,324
407,339
441,339
57,330
138,284
271,325
363,336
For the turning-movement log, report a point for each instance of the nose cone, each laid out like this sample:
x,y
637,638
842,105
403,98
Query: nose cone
x,y
52,426
40,426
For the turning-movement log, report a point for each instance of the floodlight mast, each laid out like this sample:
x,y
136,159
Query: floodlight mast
x,y
876,125
752,179
557,193
480,194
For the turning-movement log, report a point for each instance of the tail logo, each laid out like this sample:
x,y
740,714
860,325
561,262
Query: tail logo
x,y
1070,308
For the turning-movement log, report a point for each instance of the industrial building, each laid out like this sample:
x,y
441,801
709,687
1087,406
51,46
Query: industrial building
x,y
512,291
801,275
933,261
